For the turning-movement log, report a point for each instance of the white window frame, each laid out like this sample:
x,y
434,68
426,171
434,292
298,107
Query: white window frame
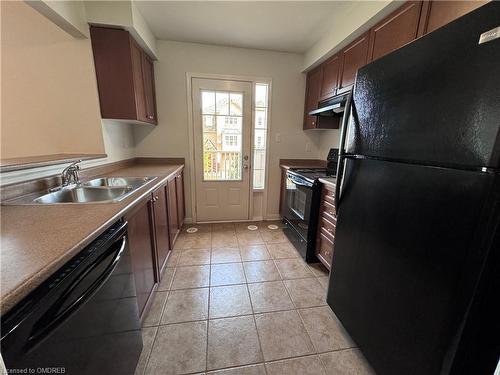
x,y
266,148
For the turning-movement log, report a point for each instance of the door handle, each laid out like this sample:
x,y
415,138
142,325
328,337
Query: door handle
x,y
245,166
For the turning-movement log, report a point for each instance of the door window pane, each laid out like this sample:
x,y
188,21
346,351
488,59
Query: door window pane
x,y
236,106
260,95
260,134
222,137
261,118
208,102
222,103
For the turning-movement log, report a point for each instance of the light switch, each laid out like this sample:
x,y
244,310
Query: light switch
x,y
278,137
308,147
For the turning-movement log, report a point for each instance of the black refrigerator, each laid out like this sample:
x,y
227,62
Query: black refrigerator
x,y
415,274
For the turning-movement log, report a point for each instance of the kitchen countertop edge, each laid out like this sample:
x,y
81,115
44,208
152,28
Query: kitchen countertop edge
x,y
21,290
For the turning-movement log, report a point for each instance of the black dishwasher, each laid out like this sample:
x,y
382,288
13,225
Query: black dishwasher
x,y
83,320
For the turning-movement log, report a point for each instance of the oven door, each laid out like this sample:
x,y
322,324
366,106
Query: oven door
x,y
299,194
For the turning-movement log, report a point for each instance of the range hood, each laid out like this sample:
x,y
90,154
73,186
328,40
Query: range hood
x,y
331,107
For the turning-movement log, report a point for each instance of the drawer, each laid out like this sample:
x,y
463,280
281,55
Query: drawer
x,y
328,210
328,196
325,250
327,227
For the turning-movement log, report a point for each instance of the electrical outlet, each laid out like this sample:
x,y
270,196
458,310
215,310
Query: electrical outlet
x,y
278,137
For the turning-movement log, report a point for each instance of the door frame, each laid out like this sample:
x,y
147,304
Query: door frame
x,y
253,80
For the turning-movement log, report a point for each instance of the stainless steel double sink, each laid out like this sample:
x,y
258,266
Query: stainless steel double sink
x,y
99,190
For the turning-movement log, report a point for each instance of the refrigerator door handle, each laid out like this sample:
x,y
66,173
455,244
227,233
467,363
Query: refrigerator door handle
x,y
343,134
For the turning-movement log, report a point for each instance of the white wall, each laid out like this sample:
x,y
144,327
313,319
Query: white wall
x,y
118,140
329,139
170,137
355,21
49,92
123,14
68,15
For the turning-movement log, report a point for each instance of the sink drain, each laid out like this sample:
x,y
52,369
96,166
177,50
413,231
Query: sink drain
x,y
192,230
253,227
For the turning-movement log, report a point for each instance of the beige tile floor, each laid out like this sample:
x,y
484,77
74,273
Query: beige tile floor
x,y
239,302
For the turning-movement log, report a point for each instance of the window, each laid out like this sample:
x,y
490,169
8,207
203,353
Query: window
x,y
231,140
222,125
260,134
231,120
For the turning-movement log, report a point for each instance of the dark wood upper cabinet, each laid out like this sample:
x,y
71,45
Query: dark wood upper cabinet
x,y
179,188
313,88
354,56
398,29
149,87
329,84
410,21
161,227
125,76
439,13
140,234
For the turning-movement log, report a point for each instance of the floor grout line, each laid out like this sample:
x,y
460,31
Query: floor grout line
x,y
255,323
208,308
246,283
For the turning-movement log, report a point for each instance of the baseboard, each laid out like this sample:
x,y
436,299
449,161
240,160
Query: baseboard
x,y
189,220
270,217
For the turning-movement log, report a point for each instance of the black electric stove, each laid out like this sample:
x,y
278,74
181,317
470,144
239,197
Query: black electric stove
x,y
301,211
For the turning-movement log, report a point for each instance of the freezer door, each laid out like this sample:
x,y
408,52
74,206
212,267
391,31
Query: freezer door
x,y
405,261
436,100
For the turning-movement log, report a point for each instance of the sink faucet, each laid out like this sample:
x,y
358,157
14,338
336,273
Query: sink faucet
x,y
70,174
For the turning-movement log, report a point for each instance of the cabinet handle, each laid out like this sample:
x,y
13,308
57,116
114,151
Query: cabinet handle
x,y
329,230
150,117
331,213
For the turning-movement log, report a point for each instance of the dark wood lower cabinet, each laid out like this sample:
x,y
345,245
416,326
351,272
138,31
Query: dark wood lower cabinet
x,y
161,227
181,210
327,222
173,218
153,226
142,249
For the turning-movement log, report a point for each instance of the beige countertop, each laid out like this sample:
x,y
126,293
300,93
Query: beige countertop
x,y
36,240
302,163
328,180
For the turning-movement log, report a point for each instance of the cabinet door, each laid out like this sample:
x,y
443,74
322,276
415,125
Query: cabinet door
x,y
141,244
313,87
283,192
354,56
331,69
442,12
179,185
161,226
140,99
395,31
114,71
173,220
149,88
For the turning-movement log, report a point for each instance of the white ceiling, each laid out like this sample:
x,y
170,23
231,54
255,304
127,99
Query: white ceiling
x,y
290,26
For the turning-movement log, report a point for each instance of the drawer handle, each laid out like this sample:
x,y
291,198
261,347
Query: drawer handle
x,y
329,230
331,213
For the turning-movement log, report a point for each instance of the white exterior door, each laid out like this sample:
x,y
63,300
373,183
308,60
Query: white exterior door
x,y
222,131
